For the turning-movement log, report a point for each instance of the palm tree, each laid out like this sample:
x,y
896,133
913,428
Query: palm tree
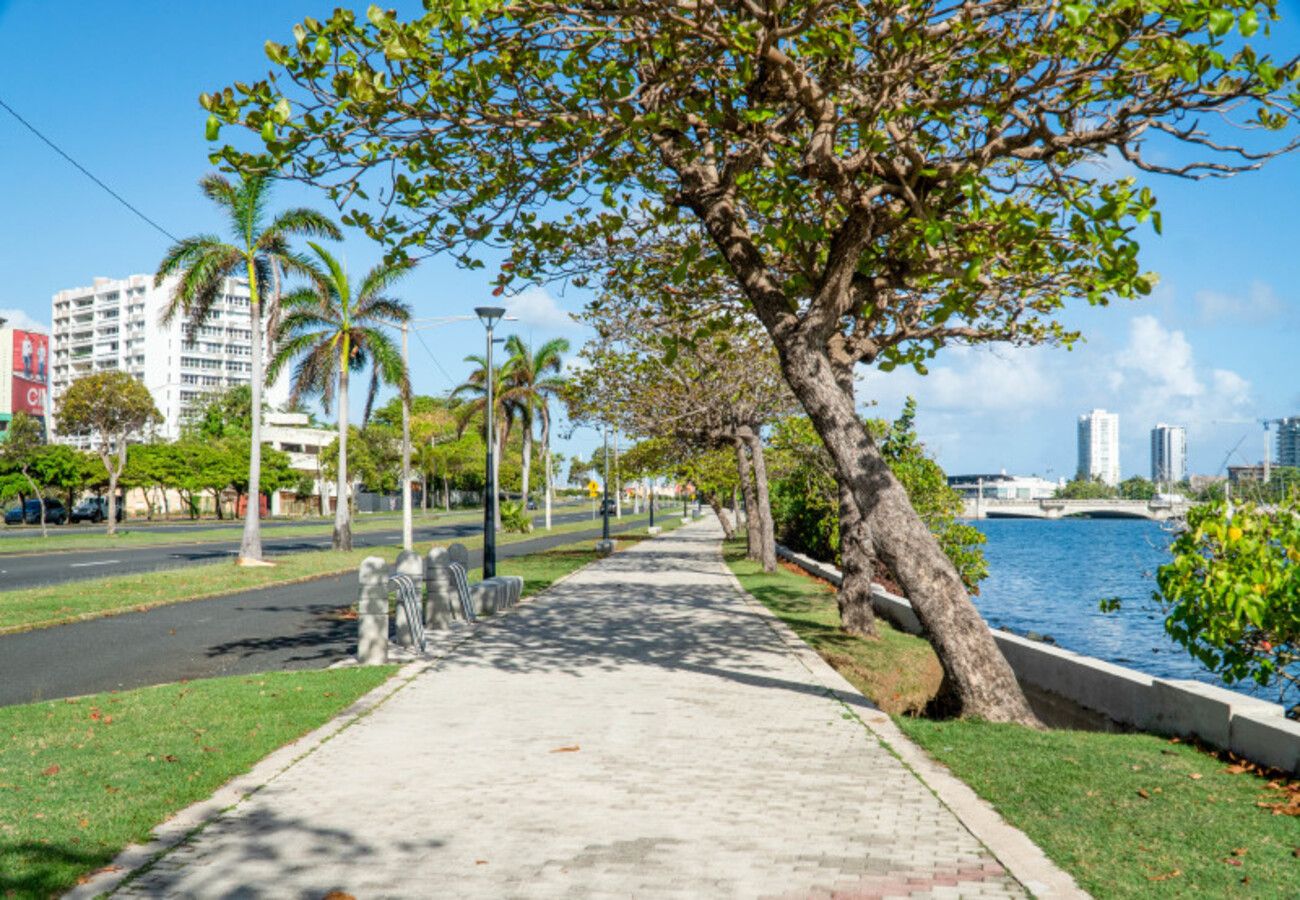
x,y
534,377
333,328
504,396
260,253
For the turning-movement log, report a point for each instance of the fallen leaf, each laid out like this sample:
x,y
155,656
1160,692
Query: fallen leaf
x,y
338,895
1239,851
83,823
1233,861
1142,792
480,862
52,770
95,714
104,871
573,749
1166,876
1195,776
112,790
170,758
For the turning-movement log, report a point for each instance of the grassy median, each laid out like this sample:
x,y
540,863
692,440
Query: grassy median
x,y
1128,815
59,604
80,779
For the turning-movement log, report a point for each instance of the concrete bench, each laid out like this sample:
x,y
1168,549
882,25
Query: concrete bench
x,y
449,595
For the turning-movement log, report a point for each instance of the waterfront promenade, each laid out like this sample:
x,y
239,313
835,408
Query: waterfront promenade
x,y
641,729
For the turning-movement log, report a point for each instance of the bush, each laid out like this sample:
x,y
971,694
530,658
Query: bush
x,y
1232,592
515,517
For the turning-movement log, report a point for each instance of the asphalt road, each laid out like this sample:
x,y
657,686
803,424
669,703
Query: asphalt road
x,y
294,626
19,571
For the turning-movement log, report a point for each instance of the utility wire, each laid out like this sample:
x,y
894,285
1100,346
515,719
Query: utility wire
x,y
451,381
84,171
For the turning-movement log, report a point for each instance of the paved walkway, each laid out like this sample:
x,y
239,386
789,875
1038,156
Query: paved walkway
x,y
639,731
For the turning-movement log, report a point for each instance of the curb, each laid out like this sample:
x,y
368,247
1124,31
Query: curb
x,y
134,859
1022,858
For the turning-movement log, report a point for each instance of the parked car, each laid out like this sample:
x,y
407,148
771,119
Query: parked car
x,y
94,509
30,513
612,505
532,504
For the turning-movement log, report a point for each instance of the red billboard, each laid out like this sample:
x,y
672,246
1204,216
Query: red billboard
x,y
31,372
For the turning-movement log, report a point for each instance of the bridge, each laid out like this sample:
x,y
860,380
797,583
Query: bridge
x,y
1155,510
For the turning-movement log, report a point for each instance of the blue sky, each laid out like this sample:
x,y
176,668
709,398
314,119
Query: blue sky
x,y
115,83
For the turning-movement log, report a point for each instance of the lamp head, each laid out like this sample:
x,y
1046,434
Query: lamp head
x,y
489,315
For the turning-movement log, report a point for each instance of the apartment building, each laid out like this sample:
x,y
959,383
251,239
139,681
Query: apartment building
x,y
1168,454
116,324
1099,446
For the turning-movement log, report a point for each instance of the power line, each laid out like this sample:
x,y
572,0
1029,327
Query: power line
x,y
451,381
84,171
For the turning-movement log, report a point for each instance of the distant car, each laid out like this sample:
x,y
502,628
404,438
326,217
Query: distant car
x,y
610,506
532,504
93,509
30,513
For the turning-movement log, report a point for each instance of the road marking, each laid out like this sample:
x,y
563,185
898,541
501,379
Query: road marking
x,y
102,562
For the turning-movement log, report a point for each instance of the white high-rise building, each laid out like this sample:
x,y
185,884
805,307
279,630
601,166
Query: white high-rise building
x,y
1168,454
1099,446
117,324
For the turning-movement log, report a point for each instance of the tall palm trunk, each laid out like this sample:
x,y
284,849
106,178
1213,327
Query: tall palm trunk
x,y
546,452
250,547
342,507
528,460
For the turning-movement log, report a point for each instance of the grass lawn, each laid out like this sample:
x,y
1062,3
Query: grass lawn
x,y
93,537
80,779
59,604
1128,815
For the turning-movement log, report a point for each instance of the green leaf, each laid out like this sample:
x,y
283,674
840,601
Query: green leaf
x,y
1220,22
1248,24
1076,13
213,130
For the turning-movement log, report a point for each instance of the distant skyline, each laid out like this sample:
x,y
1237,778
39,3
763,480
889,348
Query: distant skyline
x,y
116,85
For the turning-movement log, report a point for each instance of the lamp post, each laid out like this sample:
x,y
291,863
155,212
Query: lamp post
x,y
652,502
408,537
490,315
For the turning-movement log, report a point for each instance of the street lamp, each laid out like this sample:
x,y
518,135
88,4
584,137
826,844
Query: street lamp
x,y
489,315
604,506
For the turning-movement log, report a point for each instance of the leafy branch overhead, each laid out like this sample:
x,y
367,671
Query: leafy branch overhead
x,y
906,175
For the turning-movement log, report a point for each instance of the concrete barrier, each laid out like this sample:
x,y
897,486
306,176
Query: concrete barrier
x,y
372,612
1254,729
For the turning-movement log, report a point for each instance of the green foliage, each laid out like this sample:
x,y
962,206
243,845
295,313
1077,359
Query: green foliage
x,y
515,517
1137,488
805,498
1232,592
109,406
1086,489
225,413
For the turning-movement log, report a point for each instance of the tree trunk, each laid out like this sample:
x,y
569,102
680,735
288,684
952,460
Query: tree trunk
x,y
113,474
250,546
854,597
728,532
446,493
546,451
40,499
753,537
618,482
763,506
528,462
342,506
977,680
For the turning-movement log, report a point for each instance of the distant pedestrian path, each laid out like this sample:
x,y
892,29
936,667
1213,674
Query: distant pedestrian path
x,y
638,731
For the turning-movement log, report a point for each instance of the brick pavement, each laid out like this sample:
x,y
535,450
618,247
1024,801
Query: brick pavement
x,y
637,731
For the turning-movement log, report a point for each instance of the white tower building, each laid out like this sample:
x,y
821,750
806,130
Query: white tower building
x,y
1099,446
116,324
1168,454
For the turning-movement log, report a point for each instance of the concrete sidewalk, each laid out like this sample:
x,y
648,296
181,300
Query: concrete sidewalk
x,y
640,730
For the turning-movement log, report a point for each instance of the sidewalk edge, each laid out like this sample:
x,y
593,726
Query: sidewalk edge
x,y
1021,857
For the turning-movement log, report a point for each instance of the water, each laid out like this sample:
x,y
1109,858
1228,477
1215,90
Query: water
x,y
1048,577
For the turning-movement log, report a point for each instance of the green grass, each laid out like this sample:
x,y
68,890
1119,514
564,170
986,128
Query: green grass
x,y
899,672
81,779
94,538
59,604
1128,815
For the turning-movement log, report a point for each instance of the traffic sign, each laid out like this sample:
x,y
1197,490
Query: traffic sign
x,y
593,488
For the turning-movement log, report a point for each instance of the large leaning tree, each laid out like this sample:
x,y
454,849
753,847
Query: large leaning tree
x,y
878,179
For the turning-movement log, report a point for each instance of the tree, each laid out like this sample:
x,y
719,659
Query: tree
x,y
260,253
505,405
1137,488
878,180
1086,489
21,449
332,328
226,412
535,378
111,408
60,467
1232,592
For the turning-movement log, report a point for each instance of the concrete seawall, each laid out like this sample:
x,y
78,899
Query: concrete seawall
x,y
1251,728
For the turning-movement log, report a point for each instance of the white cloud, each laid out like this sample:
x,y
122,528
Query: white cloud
x,y
17,318
537,308
1259,305
1159,381
1009,381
